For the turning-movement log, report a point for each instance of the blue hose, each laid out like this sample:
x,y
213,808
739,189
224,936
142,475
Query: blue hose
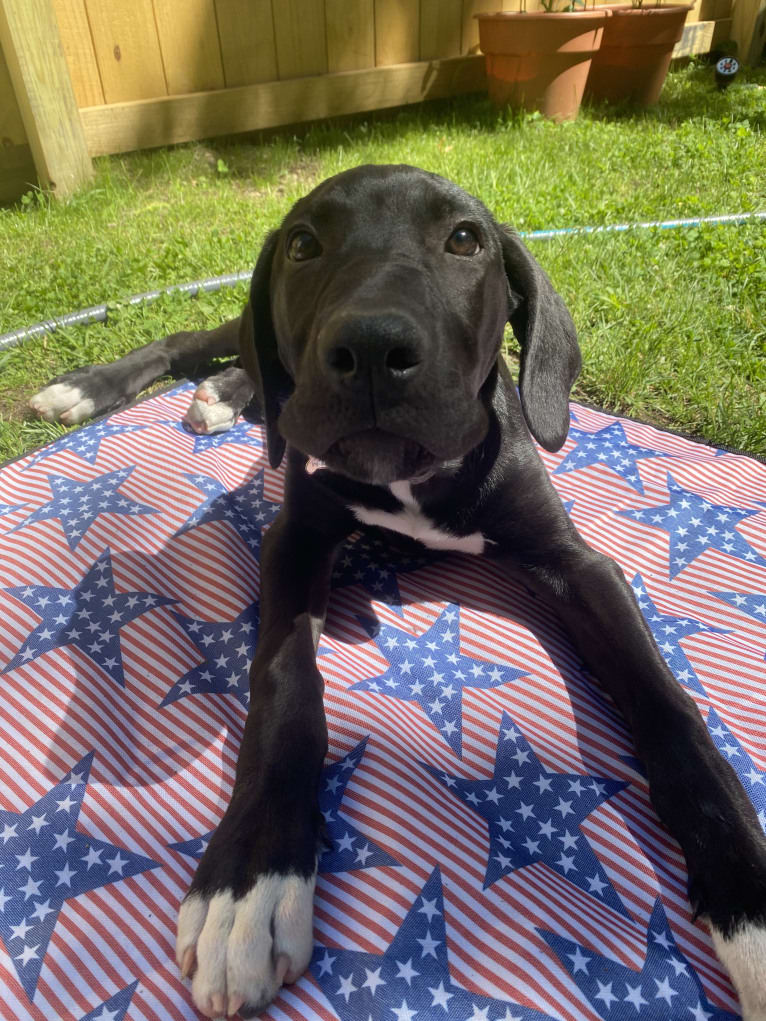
x,y
99,313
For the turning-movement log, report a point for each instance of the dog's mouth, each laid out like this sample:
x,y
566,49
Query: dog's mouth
x,y
377,457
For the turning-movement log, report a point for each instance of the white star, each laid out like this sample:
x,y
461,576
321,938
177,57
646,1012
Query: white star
x,y
429,909
373,980
428,944
440,996
605,993
406,971
634,996
326,964
665,990
579,961
404,1013
347,987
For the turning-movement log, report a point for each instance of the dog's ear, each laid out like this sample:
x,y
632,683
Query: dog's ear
x,y
258,350
550,357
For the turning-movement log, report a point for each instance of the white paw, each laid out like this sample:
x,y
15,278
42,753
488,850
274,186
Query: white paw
x,y
61,402
206,414
241,951
744,955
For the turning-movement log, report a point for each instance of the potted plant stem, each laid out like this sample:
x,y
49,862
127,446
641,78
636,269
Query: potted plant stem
x,y
540,60
637,46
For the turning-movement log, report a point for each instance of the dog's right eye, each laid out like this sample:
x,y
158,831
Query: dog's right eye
x,y
303,245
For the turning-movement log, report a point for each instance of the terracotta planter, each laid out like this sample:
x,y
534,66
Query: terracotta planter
x,y
633,60
540,61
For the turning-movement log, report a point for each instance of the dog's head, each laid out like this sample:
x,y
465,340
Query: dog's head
x,y
375,322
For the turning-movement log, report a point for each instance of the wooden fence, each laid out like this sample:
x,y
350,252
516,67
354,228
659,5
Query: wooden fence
x,y
151,72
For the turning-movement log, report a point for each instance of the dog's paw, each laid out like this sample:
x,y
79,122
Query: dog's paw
x,y
63,402
218,401
743,953
241,951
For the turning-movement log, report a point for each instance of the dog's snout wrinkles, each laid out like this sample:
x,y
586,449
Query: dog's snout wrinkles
x,y
372,350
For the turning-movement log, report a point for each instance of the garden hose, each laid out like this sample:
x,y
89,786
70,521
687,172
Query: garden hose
x,y
99,313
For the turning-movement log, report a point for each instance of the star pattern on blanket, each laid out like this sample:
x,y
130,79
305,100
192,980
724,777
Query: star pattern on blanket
x,y
242,433
534,815
246,508
88,617
348,850
411,978
78,504
669,631
228,647
752,603
751,778
86,443
45,861
609,446
695,525
113,1009
666,986
10,508
368,561
430,669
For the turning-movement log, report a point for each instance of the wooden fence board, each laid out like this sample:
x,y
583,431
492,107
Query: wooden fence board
x,y
299,29
350,34
78,50
191,54
140,125
36,65
441,25
397,32
17,168
469,42
127,49
248,49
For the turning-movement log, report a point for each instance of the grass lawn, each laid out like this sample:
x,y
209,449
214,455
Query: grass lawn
x,y
672,323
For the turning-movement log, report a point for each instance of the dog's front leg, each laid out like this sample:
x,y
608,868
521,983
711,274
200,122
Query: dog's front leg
x,y
245,926
694,790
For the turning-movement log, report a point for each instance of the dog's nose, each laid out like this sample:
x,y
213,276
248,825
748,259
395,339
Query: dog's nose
x,y
383,349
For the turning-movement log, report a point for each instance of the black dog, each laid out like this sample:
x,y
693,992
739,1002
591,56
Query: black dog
x,y
372,341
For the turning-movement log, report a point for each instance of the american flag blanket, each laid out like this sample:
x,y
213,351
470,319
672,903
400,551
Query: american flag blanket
x,y
492,852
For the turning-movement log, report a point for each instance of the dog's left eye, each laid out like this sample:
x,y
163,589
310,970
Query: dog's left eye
x,y
463,241
303,245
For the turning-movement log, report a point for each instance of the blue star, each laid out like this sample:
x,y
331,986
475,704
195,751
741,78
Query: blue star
x,y
367,560
45,861
694,525
246,509
750,602
429,669
227,647
534,815
240,433
609,446
85,442
77,504
668,632
667,985
752,778
411,979
114,1008
350,850
89,617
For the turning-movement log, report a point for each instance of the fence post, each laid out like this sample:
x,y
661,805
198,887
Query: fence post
x,y
30,41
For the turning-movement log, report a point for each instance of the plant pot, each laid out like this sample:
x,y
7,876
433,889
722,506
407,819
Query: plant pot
x,y
633,60
540,61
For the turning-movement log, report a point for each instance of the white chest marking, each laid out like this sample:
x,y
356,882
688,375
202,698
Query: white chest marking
x,y
411,521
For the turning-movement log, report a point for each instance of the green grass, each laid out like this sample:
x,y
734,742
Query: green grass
x,y
672,323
